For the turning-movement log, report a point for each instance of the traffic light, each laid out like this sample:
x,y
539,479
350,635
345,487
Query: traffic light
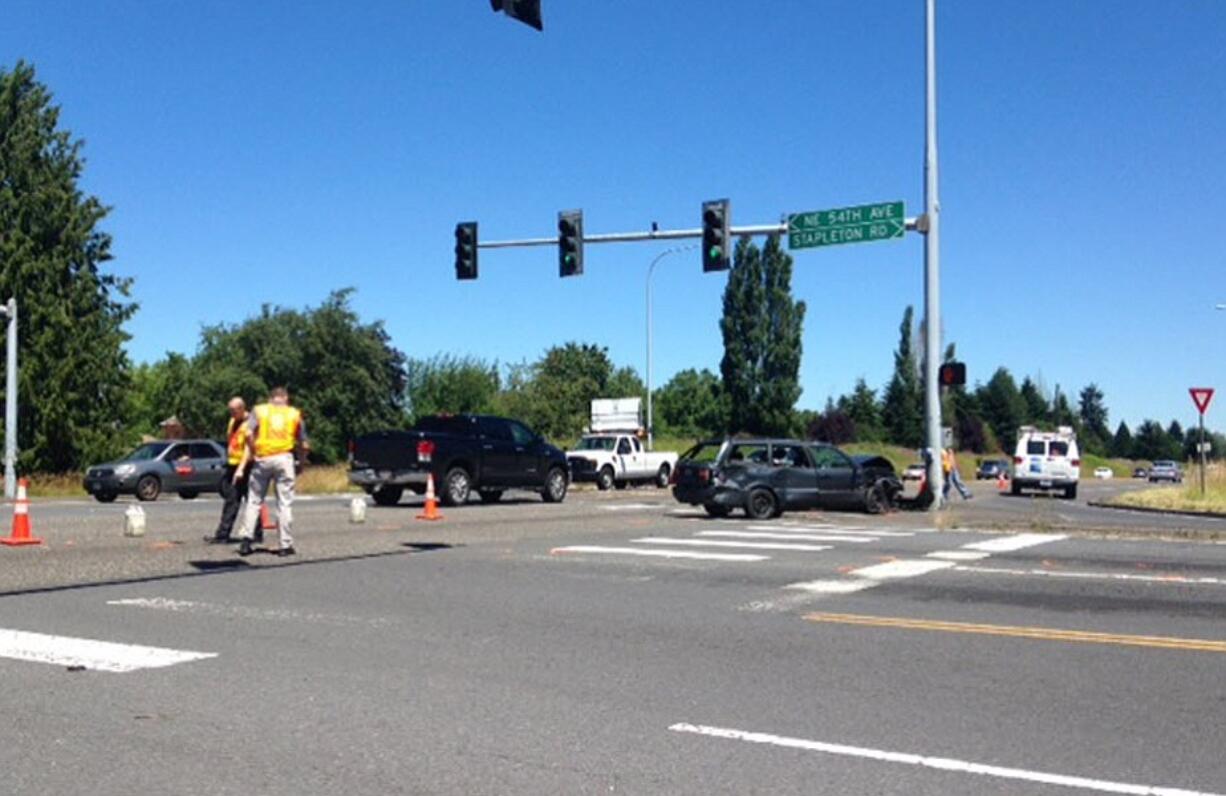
x,y
526,11
716,221
466,250
952,374
570,243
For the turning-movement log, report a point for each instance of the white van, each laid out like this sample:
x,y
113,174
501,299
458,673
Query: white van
x,y
1046,461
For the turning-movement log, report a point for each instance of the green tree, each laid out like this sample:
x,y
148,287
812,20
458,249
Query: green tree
x,y
902,411
1037,412
1002,406
761,328
1093,416
861,406
554,395
1061,412
1121,443
691,404
1151,441
446,383
74,373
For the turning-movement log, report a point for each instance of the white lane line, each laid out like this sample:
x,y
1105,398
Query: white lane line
x,y
103,656
636,551
633,507
844,586
799,548
800,537
938,763
241,611
902,568
1007,544
958,555
831,530
1175,580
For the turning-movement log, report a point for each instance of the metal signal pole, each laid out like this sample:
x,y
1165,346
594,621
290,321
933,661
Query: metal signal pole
x,y
932,267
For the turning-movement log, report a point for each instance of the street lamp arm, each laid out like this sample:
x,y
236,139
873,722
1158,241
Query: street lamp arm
x,y
651,269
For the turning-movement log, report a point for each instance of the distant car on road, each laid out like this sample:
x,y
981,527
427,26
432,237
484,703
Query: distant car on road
x,y
1165,470
765,477
992,469
187,466
1140,472
1103,472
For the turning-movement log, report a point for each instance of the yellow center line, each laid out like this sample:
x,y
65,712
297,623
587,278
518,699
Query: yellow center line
x,y
1044,633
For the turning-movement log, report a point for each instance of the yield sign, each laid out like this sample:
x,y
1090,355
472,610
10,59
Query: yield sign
x,y
1201,396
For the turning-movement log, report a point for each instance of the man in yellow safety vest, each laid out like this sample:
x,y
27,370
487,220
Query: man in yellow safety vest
x,y
274,432
233,490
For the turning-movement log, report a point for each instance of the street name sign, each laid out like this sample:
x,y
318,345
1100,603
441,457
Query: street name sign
x,y
1201,396
859,224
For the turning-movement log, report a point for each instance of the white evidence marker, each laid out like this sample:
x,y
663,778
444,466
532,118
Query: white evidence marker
x,y
937,763
636,551
799,548
800,537
103,656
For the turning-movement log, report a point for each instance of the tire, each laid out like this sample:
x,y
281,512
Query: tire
x,y
148,488
188,494
604,479
457,485
877,500
620,484
716,510
387,495
1015,489
1070,492
490,495
761,504
106,497
556,483
662,476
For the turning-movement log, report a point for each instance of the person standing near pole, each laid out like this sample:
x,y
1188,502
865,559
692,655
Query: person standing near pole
x,y
955,477
234,484
274,431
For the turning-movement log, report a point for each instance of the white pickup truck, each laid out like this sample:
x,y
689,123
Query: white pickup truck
x,y
615,460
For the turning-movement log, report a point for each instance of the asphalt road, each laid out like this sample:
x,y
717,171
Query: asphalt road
x,y
614,643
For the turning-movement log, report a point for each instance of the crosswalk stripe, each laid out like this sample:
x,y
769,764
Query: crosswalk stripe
x,y
103,656
799,548
831,530
638,551
1008,544
803,537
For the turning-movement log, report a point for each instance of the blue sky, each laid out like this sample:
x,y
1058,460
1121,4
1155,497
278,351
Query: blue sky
x,y
270,152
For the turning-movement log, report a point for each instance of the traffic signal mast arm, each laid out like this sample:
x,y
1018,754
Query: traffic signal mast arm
x,y
659,234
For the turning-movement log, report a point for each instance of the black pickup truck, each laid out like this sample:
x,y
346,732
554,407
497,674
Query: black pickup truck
x,y
465,453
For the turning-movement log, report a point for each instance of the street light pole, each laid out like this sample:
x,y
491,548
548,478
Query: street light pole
x,y
9,311
650,270
932,270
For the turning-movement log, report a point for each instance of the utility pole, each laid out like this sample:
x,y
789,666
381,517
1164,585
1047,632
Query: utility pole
x,y
932,264
9,311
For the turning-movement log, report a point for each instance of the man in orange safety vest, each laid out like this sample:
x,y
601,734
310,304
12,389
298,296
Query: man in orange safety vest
x,y
233,490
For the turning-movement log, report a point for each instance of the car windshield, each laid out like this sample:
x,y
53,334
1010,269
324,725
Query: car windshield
x,y
146,452
596,444
703,453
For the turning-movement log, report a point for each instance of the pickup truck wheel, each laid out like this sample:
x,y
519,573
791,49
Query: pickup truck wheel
x,y
761,504
555,486
456,486
662,476
387,495
620,484
604,479
148,488
188,494
716,510
490,495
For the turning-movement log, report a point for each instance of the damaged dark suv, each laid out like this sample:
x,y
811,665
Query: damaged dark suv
x,y
766,477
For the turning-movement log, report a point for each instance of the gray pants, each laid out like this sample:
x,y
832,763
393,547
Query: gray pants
x,y
267,470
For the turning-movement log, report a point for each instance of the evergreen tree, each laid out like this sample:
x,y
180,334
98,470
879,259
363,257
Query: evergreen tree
x,y
447,383
1062,413
691,404
1093,417
1151,441
861,407
902,411
1121,443
74,372
761,328
1002,407
1037,411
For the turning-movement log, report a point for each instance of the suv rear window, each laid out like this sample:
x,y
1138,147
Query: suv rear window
x,y
704,453
1058,448
1036,447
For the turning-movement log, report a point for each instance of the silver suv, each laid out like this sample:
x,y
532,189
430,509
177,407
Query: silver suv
x,y
186,466
1165,470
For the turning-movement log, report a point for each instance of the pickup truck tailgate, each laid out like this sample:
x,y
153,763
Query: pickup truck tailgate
x,y
386,450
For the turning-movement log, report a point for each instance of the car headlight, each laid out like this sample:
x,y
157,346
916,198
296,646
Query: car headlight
x,y
125,469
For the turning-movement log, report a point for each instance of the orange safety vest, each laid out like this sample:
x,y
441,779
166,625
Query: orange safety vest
x,y
278,429
236,440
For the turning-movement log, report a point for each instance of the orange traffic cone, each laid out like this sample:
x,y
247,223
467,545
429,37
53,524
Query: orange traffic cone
x,y
1002,483
21,519
431,512
266,521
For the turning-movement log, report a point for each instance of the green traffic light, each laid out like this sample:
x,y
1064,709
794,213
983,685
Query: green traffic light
x,y
715,253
